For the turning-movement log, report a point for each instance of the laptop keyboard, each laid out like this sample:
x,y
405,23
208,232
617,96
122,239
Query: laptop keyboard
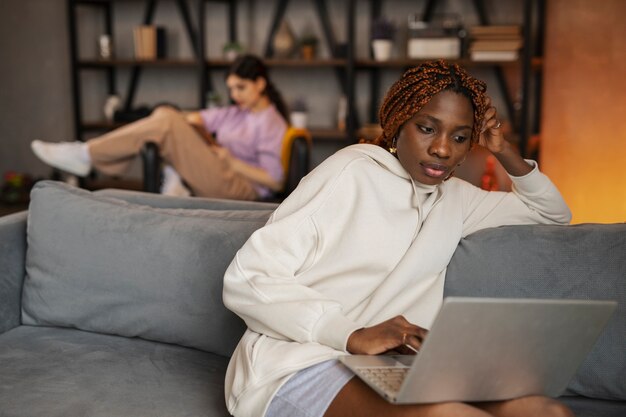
x,y
389,380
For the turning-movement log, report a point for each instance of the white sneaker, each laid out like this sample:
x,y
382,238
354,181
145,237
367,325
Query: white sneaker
x,y
173,183
72,157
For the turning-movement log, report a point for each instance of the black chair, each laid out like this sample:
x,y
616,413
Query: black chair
x,y
296,155
296,161
151,167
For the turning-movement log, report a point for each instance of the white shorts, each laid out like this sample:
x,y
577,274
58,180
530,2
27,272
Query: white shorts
x,y
310,391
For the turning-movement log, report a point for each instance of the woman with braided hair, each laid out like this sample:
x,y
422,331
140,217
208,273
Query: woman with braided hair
x,y
349,264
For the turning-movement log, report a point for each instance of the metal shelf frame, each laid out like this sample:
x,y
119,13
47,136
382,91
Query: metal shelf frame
x,y
195,30
346,66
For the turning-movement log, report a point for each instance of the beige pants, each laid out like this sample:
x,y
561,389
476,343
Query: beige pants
x,y
180,145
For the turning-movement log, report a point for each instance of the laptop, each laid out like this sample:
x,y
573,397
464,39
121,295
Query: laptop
x,y
490,349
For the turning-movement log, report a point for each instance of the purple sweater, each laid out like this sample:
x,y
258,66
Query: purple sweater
x,y
255,138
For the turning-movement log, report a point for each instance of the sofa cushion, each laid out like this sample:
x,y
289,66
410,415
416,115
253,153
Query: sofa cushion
x,y
108,266
166,201
54,372
592,407
585,261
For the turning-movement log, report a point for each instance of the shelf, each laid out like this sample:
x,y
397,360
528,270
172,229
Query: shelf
x,y
320,63
215,63
405,63
273,62
286,62
101,63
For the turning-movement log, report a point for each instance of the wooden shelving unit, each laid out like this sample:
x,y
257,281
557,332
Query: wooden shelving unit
x,y
346,66
526,121
194,26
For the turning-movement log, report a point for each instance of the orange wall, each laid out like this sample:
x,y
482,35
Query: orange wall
x,y
583,132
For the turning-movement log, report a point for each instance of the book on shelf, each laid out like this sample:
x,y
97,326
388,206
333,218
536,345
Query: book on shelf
x,y
494,55
497,45
149,42
495,30
428,48
140,38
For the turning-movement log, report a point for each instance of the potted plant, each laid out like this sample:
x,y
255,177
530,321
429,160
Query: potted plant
x,y
308,46
232,50
298,113
383,32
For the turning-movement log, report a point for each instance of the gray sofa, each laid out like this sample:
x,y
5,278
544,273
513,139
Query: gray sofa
x,y
110,302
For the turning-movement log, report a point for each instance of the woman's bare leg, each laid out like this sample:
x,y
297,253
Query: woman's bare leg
x,y
358,400
535,406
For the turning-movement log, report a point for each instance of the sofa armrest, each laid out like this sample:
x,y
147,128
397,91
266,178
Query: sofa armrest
x,y
12,268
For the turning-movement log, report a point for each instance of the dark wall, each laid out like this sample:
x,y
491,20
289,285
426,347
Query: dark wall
x,y
34,80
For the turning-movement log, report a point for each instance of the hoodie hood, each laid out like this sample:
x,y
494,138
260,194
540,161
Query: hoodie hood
x,y
421,192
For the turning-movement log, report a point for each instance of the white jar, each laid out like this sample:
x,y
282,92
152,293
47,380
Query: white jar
x,y
299,119
382,49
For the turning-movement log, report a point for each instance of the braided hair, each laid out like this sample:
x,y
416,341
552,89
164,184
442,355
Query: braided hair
x,y
250,67
417,86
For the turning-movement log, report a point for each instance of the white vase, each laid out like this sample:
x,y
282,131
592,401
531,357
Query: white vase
x,y
382,49
231,55
298,119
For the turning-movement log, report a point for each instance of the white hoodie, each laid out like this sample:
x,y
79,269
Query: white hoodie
x,y
357,243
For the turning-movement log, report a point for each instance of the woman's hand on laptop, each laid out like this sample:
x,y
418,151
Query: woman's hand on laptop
x,y
396,334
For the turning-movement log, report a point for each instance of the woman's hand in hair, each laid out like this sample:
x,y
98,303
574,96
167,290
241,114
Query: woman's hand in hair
x,y
394,334
492,138
491,132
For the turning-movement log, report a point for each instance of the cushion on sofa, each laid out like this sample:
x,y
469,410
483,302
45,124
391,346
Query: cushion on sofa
x,y
585,261
55,372
108,266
